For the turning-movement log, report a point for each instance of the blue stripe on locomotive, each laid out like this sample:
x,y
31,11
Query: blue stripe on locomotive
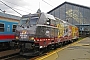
x,y
6,23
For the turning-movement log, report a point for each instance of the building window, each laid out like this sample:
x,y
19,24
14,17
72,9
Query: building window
x,y
1,27
14,27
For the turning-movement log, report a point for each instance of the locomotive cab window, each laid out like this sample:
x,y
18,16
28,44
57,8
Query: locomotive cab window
x,y
1,27
24,21
14,27
34,19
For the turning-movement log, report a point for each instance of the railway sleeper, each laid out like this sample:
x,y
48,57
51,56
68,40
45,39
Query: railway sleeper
x,y
4,46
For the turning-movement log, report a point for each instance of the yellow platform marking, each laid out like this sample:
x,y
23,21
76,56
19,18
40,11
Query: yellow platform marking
x,y
52,55
82,45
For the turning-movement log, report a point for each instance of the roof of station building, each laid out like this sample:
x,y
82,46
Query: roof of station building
x,y
70,4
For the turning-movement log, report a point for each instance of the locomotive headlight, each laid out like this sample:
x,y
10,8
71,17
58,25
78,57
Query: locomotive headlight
x,y
24,32
31,38
17,37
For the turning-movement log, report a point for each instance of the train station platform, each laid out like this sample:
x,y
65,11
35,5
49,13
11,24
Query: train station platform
x,y
79,50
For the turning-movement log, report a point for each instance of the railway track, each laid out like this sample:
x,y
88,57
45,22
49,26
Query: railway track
x,y
18,57
9,57
4,55
14,55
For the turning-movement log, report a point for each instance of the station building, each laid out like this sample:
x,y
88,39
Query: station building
x,y
75,14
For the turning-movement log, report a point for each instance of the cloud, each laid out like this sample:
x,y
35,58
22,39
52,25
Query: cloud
x,y
11,3
2,6
15,3
33,5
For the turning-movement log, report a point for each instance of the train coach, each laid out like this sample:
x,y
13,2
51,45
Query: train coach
x,y
40,31
7,29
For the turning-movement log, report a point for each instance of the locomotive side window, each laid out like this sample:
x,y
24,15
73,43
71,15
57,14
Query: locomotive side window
x,y
33,20
14,27
1,27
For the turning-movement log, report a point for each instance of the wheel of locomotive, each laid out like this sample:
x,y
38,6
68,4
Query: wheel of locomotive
x,y
59,44
48,47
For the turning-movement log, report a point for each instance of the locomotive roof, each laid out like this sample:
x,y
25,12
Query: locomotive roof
x,y
49,16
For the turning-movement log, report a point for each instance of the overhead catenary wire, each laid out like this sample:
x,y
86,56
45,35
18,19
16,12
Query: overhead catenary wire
x,y
14,9
21,10
1,10
21,7
17,8
47,3
10,7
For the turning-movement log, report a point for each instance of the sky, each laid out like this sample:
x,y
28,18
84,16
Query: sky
x,y
31,6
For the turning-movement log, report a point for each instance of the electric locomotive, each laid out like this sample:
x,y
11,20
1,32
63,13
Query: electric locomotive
x,y
40,31
35,32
